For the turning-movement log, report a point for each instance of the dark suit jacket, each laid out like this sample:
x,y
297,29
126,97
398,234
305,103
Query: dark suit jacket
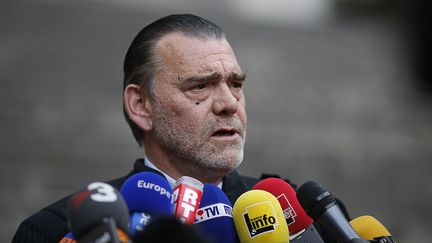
x,y
50,224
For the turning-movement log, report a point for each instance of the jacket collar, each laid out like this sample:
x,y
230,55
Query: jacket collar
x,y
233,185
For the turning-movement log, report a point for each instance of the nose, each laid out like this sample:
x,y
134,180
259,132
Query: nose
x,y
225,103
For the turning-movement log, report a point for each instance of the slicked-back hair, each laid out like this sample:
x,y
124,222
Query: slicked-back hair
x,y
140,64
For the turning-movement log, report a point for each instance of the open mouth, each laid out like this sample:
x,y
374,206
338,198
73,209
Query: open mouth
x,y
224,133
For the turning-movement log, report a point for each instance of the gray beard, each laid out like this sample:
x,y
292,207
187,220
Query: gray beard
x,y
184,142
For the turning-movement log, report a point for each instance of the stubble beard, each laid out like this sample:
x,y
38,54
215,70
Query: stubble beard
x,y
183,140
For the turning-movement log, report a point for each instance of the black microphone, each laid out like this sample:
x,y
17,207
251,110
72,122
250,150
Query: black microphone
x,y
320,205
171,230
98,214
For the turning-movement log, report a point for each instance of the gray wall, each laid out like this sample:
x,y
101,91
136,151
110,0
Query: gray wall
x,y
330,102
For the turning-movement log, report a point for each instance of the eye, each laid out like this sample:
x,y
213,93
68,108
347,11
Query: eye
x,y
237,85
199,87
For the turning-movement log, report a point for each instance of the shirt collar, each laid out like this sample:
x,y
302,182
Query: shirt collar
x,y
171,181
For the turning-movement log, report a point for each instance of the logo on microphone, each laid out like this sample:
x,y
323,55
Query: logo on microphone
x,y
260,218
138,221
148,185
213,211
186,202
288,210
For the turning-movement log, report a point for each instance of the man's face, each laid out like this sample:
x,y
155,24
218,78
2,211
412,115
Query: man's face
x,y
198,103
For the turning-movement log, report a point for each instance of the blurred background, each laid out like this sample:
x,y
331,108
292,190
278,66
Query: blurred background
x,y
338,91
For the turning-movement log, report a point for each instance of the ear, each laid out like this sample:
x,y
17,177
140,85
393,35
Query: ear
x,y
137,106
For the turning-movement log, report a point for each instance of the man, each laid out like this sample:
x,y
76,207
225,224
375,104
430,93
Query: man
x,y
183,99
189,112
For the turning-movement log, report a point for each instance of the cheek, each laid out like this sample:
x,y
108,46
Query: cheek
x,y
189,113
178,107
186,112
243,116
197,114
242,110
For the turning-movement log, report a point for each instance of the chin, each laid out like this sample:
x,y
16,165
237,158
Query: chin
x,y
227,163
224,160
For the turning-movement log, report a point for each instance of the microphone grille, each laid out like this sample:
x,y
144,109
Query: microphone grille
x,y
314,198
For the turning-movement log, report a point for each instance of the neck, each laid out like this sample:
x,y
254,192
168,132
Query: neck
x,y
176,167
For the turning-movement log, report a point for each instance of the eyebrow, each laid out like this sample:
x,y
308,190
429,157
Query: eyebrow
x,y
205,77
216,76
237,76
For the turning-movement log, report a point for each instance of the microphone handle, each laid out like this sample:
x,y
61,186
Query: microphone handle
x,y
310,234
106,232
357,240
335,222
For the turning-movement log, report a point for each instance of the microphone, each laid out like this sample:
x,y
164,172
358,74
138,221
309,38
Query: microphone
x,y
258,217
68,238
187,196
371,229
147,195
215,216
170,230
320,205
299,223
98,214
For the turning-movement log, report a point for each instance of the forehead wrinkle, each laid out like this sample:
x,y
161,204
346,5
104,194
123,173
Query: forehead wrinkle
x,y
179,60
